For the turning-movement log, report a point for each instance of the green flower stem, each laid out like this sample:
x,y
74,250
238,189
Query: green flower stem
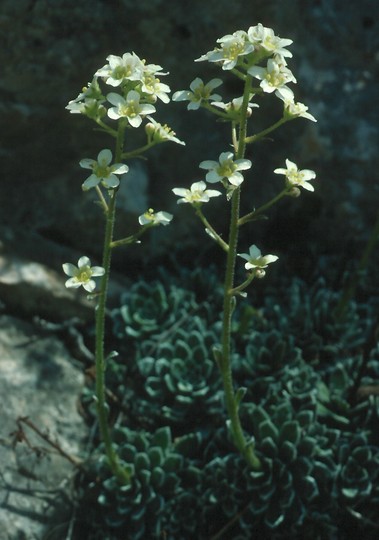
x,y
132,238
239,74
243,285
257,136
215,110
256,213
208,226
102,199
246,449
106,128
102,410
138,151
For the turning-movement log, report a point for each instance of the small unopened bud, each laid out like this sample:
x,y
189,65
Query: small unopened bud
x,y
294,192
150,129
260,273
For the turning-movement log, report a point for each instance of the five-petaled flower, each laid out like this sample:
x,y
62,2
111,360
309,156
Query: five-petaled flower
x,y
199,93
255,259
263,37
154,87
227,168
197,194
129,108
233,108
127,67
233,46
81,275
155,218
295,177
274,77
294,109
102,171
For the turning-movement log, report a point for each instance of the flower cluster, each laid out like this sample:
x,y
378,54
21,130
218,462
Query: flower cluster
x,y
242,52
244,48
255,54
136,87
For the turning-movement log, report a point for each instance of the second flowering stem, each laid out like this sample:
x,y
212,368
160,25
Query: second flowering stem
x,y
232,403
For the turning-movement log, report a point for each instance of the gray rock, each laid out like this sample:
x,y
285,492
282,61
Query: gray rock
x,y
38,380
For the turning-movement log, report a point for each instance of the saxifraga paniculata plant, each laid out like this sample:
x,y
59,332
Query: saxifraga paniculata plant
x,y
119,99
283,482
240,54
136,87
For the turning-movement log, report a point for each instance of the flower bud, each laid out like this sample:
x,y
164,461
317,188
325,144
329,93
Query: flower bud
x,y
294,192
150,129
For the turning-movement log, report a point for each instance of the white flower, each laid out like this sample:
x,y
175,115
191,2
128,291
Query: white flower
x,y
89,101
295,177
299,109
154,69
82,107
197,194
161,133
261,36
255,259
199,92
292,109
129,108
82,274
155,218
152,85
235,105
120,68
225,167
102,171
233,46
273,77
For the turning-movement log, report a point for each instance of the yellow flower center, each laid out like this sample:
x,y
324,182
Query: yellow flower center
x,y
102,171
130,109
232,51
226,169
84,274
120,72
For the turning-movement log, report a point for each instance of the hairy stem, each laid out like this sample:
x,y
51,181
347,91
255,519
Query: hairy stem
x,y
245,448
102,409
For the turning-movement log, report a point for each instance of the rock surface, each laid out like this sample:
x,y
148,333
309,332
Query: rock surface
x,y
38,380
42,361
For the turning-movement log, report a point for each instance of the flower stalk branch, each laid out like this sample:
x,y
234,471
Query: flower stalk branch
x,y
254,138
211,230
251,216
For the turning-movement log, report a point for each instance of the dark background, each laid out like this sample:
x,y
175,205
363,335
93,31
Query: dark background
x,y
50,49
